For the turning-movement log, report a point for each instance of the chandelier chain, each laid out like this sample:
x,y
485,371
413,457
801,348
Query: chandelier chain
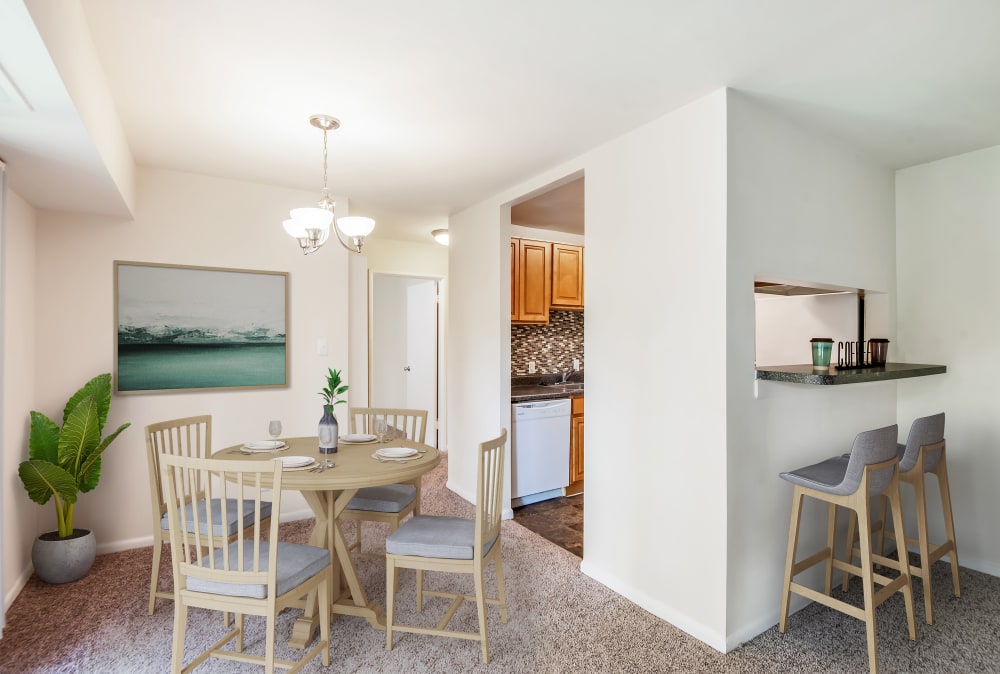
x,y
325,190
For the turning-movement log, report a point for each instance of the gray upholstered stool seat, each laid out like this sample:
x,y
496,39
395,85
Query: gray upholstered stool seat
x,y
849,481
234,519
389,498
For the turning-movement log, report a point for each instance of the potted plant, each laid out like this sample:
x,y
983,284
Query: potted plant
x,y
328,430
62,463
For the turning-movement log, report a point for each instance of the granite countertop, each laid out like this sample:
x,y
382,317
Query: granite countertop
x,y
805,374
544,387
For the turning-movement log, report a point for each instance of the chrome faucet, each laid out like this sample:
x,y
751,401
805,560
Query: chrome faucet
x,y
565,376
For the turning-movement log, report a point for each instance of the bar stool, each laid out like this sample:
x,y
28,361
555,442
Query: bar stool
x,y
924,452
849,480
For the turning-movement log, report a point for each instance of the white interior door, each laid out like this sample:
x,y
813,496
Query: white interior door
x,y
404,345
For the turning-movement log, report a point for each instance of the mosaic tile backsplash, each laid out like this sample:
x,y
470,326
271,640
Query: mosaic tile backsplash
x,y
553,347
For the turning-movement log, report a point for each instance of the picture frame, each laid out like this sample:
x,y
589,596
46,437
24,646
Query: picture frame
x,y
189,328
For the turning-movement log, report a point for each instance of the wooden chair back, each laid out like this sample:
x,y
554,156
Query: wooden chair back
x,y
411,423
191,485
190,436
489,491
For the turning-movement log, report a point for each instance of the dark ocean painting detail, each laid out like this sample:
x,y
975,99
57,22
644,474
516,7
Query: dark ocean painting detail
x,y
144,367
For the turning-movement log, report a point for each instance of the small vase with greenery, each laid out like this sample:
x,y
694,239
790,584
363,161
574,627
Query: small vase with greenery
x,y
328,429
64,461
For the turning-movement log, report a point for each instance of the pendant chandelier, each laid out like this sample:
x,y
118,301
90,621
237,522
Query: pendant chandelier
x,y
311,225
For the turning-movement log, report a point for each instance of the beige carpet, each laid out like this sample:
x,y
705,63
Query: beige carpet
x,y
560,621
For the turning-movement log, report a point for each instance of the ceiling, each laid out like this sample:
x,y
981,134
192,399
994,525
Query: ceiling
x,y
444,103
559,209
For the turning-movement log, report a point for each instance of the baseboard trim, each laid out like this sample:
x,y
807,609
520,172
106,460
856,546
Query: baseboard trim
x,y
17,586
679,620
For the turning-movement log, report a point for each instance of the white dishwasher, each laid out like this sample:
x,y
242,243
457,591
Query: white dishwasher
x,y
539,450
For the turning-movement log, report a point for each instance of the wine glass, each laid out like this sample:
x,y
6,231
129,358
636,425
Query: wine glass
x,y
274,428
381,428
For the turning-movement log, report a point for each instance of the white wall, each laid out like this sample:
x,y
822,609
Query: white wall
x,y
389,256
22,519
655,203
947,245
478,335
183,219
656,409
794,198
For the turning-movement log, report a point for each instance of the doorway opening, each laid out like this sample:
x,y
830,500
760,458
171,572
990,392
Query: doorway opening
x,y
404,345
547,335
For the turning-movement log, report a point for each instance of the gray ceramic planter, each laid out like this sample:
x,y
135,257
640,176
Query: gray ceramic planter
x,y
63,560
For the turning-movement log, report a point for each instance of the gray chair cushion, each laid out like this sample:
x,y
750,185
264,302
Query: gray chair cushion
x,y
296,564
234,524
435,536
841,475
923,431
390,498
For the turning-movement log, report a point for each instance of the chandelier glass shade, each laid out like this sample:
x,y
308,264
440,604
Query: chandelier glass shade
x,y
310,226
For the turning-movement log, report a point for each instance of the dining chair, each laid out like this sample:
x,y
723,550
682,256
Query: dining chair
x,y
849,481
190,436
454,545
389,503
247,575
924,452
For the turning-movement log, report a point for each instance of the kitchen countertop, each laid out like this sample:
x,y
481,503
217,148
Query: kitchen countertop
x,y
805,374
543,387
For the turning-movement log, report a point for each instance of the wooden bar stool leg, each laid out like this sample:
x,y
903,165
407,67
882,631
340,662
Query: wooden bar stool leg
x,y
831,531
904,568
923,545
949,524
793,541
868,583
852,523
882,516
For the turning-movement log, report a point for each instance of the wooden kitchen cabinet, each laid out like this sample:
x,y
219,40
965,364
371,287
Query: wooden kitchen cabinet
x,y
514,285
576,448
531,285
567,276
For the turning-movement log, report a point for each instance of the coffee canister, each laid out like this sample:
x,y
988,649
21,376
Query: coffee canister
x,y
822,348
878,350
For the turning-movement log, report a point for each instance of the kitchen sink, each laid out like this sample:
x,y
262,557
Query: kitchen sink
x,y
571,386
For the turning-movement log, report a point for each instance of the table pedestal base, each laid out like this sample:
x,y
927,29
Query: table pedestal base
x,y
327,506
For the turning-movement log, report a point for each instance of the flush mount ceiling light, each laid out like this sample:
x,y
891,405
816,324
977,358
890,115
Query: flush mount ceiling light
x,y
441,236
311,225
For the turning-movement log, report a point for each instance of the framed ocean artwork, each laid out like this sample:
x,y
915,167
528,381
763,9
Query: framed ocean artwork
x,y
183,328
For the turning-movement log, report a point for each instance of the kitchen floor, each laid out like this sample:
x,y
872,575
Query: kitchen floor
x,y
559,520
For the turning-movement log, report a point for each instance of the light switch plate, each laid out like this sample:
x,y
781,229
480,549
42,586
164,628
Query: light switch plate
x,y
321,347
531,367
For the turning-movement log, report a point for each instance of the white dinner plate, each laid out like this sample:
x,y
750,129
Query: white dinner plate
x,y
395,452
358,437
265,445
295,461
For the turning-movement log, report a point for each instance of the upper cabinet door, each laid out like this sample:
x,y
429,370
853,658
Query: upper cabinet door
x,y
534,262
567,276
515,284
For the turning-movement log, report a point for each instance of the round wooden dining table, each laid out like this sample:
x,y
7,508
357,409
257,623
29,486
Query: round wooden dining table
x,y
328,492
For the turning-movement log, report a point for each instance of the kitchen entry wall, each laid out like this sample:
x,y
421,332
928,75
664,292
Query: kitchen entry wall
x,y
553,347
